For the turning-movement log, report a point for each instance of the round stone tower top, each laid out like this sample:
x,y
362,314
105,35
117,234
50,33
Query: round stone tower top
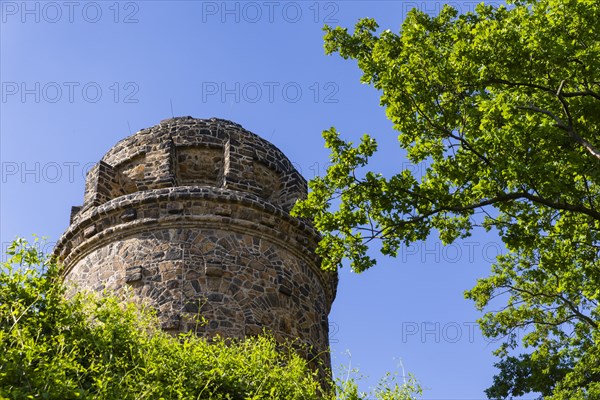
x,y
186,151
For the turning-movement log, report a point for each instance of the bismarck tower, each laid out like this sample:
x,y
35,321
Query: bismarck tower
x,y
193,216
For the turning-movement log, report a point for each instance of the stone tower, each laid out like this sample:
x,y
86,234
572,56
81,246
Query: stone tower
x,y
193,215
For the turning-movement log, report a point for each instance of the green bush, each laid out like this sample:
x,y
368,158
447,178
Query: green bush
x,y
102,347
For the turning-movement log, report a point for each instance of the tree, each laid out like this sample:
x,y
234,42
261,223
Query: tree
x,y
503,105
106,347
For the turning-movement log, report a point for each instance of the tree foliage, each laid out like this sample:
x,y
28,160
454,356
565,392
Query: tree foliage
x,y
503,105
89,346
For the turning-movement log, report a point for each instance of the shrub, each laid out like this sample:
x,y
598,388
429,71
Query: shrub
x,y
88,345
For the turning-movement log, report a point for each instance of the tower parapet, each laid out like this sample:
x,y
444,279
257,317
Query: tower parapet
x,y
193,215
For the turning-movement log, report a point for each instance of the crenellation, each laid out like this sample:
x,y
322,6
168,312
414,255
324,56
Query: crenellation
x,y
100,181
74,212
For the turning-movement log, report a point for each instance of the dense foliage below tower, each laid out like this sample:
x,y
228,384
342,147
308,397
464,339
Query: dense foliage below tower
x,y
103,347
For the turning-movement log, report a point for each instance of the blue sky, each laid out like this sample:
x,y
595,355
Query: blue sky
x,y
79,76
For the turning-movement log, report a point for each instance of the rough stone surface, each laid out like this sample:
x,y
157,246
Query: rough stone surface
x,y
193,216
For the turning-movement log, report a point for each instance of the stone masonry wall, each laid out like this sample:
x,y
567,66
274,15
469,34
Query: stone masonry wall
x,y
192,215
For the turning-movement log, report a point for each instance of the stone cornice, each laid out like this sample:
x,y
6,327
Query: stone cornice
x,y
191,207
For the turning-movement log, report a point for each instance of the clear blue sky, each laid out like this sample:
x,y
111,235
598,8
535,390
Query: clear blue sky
x,y
79,76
